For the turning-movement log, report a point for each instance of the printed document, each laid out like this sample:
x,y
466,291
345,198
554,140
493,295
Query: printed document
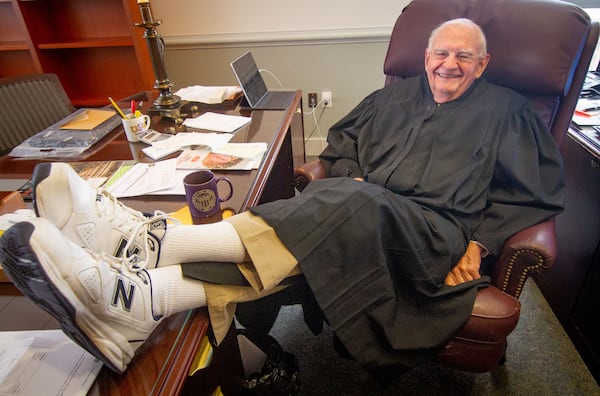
x,y
44,362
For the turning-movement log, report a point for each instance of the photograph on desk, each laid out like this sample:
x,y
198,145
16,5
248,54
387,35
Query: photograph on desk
x,y
231,156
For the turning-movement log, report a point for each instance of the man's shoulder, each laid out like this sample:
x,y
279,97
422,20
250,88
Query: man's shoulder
x,y
415,81
405,87
499,92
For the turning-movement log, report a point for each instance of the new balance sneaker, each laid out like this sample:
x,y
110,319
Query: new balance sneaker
x,y
100,301
93,218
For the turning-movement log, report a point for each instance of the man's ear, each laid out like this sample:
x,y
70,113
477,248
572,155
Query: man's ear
x,y
483,62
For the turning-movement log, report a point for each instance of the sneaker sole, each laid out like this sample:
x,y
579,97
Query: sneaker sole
x,y
40,284
41,172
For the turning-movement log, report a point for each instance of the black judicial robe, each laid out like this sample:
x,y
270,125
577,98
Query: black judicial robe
x,y
376,253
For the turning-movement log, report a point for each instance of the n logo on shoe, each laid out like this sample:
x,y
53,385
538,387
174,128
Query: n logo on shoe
x,y
121,247
123,294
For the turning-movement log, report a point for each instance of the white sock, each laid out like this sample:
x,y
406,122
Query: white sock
x,y
172,292
205,242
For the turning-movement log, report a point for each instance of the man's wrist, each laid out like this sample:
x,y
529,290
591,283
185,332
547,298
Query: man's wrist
x,y
482,249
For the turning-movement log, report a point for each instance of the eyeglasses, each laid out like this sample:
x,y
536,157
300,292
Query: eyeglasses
x,y
461,56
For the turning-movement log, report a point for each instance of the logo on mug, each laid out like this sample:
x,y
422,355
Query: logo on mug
x,y
204,200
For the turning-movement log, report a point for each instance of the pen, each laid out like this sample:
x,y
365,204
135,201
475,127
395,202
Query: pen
x,y
117,108
592,108
133,107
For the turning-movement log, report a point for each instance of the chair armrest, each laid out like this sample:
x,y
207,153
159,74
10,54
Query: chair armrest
x,y
308,172
529,251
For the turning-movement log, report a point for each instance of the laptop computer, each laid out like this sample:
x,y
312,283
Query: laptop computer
x,y
254,87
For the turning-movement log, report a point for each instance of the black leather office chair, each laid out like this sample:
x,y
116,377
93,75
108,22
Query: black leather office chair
x,y
540,48
29,104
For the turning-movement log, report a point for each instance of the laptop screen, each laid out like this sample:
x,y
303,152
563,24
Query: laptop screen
x,y
249,78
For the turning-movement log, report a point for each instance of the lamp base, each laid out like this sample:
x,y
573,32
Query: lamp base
x,y
168,106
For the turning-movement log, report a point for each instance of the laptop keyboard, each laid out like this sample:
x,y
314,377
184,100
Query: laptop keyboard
x,y
276,100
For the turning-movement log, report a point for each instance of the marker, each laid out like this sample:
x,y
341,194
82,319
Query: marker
x,y
132,107
582,113
117,108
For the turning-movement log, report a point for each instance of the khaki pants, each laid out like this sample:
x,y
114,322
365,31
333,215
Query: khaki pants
x,y
270,263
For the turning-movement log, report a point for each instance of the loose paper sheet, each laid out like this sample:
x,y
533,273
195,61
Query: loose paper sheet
x,y
217,122
44,362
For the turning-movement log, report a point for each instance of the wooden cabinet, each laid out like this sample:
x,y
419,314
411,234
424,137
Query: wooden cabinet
x,y
92,45
571,287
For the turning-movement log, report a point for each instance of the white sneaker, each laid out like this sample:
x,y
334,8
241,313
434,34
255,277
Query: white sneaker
x,y
93,218
100,301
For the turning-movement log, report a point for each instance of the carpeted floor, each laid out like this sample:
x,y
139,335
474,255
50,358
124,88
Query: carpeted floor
x,y
541,361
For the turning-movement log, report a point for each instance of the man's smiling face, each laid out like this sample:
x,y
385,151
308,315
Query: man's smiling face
x,y
455,58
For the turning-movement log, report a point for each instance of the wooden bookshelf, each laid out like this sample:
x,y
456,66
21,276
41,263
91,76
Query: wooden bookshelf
x,y
92,45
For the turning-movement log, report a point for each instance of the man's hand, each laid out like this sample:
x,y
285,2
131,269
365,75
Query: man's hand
x,y
467,268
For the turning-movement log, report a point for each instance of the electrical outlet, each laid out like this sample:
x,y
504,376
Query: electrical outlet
x,y
326,98
312,100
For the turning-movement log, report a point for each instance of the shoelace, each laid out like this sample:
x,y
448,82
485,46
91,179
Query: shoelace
x,y
121,264
123,217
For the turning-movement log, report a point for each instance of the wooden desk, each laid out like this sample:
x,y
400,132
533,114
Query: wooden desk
x,y
162,365
9,202
571,285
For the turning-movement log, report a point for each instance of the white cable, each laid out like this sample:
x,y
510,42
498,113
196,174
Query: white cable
x,y
317,129
313,111
315,108
272,75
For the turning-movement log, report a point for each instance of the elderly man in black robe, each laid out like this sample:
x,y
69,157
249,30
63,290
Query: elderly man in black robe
x,y
426,176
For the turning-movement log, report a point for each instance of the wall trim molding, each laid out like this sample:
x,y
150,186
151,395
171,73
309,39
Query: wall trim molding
x,y
280,38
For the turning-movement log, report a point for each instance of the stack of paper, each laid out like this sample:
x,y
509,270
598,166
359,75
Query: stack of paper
x,y
183,140
587,112
208,95
144,178
217,122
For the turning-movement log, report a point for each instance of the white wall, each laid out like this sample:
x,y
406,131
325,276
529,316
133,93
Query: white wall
x,y
241,18
313,45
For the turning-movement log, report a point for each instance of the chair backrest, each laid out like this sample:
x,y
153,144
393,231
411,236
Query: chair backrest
x,y
539,48
29,104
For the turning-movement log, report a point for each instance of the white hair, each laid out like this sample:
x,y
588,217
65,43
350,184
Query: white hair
x,y
465,22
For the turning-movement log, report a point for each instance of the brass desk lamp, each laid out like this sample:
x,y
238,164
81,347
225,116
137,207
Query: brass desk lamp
x,y
167,104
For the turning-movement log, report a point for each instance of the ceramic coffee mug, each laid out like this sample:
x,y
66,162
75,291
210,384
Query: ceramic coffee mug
x,y
135,125
202,193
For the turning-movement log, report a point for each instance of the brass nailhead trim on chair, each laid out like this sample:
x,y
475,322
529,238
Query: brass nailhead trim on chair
x,y
526,270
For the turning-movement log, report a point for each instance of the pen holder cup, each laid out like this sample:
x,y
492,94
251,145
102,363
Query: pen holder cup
x,y
135,125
